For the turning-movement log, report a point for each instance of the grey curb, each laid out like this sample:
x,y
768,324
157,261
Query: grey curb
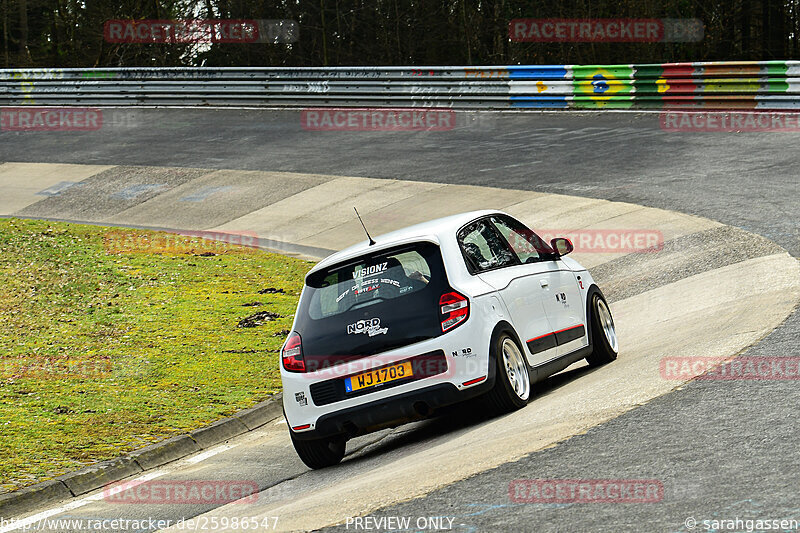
x,y
101,474
219,431
23,500
165,451
257,416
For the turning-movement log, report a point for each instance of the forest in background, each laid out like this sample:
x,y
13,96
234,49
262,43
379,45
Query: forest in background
x,y
69,33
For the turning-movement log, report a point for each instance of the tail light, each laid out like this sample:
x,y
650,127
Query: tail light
x,y
454,309
292,354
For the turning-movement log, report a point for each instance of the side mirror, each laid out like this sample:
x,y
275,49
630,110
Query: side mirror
x,y
561,245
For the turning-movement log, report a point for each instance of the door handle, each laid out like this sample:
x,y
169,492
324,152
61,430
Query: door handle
x,y
543,283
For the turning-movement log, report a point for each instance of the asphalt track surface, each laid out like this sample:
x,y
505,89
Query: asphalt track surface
x,y
724,450
749,180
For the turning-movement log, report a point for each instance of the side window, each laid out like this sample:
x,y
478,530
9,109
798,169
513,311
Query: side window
x,y
483,247
528,246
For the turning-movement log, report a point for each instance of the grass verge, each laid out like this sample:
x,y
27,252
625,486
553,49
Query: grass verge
x,y
112,338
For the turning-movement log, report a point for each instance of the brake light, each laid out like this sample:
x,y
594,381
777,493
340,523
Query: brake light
x,y
454,309
292,354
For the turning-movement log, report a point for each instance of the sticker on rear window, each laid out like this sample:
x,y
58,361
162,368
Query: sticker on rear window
x,y
339,298
370,326
370,270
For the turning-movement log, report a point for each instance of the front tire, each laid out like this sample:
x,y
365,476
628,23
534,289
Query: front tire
x,y
320,453
604,334
512,384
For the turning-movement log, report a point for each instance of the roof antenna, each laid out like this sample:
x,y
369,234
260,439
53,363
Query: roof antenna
x,y
371,241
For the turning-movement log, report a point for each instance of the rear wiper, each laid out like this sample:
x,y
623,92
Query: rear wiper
x,y
365,304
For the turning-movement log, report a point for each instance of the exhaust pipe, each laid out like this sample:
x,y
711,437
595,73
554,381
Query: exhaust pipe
x,y
423,409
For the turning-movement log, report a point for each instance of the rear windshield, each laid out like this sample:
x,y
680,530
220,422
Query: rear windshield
x,y
368,282
373,303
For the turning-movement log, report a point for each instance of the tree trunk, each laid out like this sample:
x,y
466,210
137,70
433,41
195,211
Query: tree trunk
x,y
776,31
5,31
324,36
24,53
747,52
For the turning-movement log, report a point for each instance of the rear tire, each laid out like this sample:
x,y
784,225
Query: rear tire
x,y
320,453
604,334
512,384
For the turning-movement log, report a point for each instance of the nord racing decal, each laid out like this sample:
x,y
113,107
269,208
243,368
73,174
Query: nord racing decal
x,y
370,326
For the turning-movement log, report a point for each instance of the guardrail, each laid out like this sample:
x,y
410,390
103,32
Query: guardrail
x,y
709,85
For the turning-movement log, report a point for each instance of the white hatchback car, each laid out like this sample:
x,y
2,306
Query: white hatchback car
x,y
387,331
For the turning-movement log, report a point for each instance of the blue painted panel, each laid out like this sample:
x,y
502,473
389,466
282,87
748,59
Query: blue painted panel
x,y
539,101
537,72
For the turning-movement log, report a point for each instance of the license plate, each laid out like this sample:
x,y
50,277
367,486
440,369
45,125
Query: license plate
x,y
376,377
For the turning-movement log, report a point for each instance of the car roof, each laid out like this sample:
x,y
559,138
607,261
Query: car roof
x,y
433,230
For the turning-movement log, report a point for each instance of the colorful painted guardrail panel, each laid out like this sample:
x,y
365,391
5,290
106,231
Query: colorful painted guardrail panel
x,y
709,85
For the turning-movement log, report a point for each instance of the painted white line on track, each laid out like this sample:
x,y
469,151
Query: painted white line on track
x,y
125,485
37,520
209,453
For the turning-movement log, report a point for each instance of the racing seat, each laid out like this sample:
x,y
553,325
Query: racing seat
x,y
474,255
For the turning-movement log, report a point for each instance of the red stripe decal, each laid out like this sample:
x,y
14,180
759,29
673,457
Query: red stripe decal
x,y
540,337
567,329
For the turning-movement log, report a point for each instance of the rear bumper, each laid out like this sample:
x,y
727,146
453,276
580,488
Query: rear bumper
x,y
390,412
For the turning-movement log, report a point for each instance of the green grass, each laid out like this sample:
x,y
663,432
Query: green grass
x,y
111,339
